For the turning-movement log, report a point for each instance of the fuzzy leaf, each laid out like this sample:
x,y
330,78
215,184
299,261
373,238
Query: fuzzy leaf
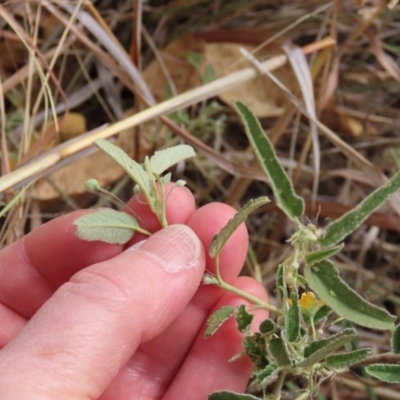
x,y
132,168
385,372
267,326
322,313
324,279
345,360
164,159
285,196
231,396
243,319
320,255
217,319
292,317
222,237
255,347
109,226
278,348
349,222
281,286
270,370
395,341
317,351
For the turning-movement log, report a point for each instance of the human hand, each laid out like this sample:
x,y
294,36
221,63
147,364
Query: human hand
x,y
89,320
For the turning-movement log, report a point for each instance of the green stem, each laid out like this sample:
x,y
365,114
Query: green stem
x,y
314,334
223,285
138,229
278,386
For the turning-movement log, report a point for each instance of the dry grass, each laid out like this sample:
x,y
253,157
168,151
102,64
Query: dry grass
x,y
88,58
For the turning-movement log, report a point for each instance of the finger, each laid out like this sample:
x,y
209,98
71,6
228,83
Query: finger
x,y
32,268
155,364
11,324
100,317
180,205
207,368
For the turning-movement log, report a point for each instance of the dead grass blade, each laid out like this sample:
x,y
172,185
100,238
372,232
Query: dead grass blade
x,y
182,101
376,174
300,67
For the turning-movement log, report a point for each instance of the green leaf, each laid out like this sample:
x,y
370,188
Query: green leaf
x,y
132,168
345,360
231,396
317,351
349,222
243,319
217,319
322,313
286,199
395,341
320,255
385,372
108,226
164,159
267,326
292,316
256,349
281,286
270,370
222,237
194,58
209,74
278,348
324,279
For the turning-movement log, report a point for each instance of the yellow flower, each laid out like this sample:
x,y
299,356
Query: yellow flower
x,y
308,304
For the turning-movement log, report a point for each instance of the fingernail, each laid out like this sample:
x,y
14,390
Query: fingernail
x,y
175,247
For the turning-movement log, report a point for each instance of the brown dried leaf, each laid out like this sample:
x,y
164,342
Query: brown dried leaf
x,y
182,73
71,178
260,94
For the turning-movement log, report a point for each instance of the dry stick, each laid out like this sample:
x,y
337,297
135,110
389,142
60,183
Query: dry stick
x,y
182,101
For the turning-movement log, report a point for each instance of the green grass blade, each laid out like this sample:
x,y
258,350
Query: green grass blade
x,y
285,196
349,222
14,200
324,279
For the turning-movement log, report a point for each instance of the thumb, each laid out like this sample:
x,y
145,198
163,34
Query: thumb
x,y
77,342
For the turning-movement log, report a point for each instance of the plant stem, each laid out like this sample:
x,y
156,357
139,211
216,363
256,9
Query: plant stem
x,y
141,230
278,386
222,284
314,334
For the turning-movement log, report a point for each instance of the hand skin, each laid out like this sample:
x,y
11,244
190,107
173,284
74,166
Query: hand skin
x,y
89,320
